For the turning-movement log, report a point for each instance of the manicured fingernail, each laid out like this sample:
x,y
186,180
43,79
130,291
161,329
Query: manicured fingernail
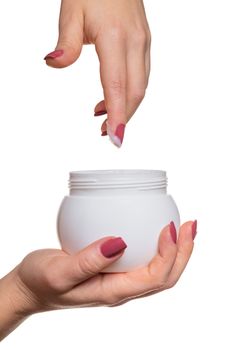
x,y
104,133
100,113
173,231
113,247
118,135
194,229
54,54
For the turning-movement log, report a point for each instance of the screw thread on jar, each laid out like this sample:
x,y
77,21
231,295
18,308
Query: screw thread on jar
x,y
140,180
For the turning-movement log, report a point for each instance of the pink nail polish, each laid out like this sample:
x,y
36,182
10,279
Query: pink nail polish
x,y
113,247
54,54
173,231
194,229
100,113
104,133
117,136
120,130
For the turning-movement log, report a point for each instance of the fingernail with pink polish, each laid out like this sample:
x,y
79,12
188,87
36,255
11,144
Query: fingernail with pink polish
x,y
173,231
194,229
54,54
117,136
100,113
113,247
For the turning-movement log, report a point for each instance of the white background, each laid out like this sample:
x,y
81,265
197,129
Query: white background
x,y
183,126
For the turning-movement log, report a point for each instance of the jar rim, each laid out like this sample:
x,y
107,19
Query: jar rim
x,y
120,171
118,178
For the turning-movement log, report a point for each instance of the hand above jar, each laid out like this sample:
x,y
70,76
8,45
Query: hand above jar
x,y
50,279
121,35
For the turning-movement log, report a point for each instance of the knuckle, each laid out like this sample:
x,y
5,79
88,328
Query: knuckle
x,y
137,95
170,284
113,300
148,37
160,285
159,280
88,265
116,87
140,38
111,297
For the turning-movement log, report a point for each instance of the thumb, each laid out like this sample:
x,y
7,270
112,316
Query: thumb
x,y
70,39
92,260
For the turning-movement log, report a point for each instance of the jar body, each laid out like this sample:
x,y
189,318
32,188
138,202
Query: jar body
x,y
136,216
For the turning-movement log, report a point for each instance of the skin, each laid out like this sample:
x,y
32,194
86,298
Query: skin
x,y
50,279
121,35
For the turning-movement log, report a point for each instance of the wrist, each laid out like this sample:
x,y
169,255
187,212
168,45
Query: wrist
x,y
15,303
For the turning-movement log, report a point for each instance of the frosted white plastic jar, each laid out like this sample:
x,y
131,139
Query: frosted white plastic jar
x,y
132,204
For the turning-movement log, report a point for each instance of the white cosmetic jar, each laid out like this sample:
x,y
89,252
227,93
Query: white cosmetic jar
x,y
132,204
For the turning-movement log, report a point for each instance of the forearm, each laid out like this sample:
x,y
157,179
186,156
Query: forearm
x,y
12,304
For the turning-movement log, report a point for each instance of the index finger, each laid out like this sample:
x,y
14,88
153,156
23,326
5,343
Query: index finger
x,y
112,56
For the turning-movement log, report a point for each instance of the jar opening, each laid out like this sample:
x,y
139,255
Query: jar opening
x,y
118,179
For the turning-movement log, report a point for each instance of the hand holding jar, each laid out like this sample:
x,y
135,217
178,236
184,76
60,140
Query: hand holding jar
x,y
51,279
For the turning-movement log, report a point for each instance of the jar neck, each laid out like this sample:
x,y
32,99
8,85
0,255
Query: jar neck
x,y
118,181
